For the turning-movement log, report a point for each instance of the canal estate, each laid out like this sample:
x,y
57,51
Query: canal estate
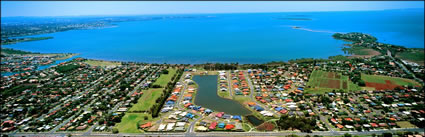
x,y
207,96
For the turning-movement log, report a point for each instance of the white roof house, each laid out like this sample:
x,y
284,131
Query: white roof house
x,y
170,126
181,124
161,127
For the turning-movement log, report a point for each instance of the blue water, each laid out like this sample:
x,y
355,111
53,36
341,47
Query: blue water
x,y
41,67
243,38
207,97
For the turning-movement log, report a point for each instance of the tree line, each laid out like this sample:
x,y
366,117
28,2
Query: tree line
x,y
156,108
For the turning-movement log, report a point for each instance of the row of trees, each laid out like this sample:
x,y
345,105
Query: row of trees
x,y
155,109
67,68
219,66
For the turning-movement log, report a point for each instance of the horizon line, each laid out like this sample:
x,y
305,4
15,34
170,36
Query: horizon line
x,y
210,13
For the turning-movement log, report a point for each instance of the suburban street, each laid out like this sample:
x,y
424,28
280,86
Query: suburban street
x,y
321,133
251,87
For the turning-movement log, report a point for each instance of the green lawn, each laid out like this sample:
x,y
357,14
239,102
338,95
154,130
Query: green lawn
x,y
317,90
102,63
165,78
149,96
381,79
405,124
223,94
357,50
147,100
128,123
242,99
414,55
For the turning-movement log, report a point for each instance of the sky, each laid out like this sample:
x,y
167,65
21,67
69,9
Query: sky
x,y
81,8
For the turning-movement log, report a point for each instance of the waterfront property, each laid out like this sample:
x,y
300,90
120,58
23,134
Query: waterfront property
x,y
207,96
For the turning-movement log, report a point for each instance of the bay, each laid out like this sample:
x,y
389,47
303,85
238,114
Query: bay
x,y
242,37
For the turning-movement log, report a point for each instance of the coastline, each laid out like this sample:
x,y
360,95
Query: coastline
x,y
370,52
12,41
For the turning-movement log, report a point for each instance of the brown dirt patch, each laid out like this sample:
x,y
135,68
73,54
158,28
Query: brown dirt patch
x,y
330,83
344,85
380,86
371,53
338,76
331,75
334,84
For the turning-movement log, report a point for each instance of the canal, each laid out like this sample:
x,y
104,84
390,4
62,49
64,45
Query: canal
x,y
41,67
207,97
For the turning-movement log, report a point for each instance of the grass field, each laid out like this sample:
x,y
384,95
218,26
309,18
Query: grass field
x,y
395,80
405,124
165,78
149,96
413,55
224,94
128,123
242,99
66,56
358,51
147,100
322,81
102,63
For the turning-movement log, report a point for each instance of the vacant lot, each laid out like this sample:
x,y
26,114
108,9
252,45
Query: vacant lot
x,y
362,52
322,81
405,124
385,82
102,63
129,122
147,100
413,55
149,96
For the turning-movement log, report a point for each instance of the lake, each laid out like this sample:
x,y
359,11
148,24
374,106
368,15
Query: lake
x,y
207,97
244,38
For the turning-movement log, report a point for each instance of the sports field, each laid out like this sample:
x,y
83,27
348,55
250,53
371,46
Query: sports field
x,y
385,82
322,81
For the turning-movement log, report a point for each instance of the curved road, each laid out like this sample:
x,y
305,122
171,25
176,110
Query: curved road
x,y
251,87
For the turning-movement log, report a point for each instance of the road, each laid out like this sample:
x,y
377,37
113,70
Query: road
x,y
251,87
285,133
94,100
191,128
229,84
403,67
323,119
73,116
61,105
